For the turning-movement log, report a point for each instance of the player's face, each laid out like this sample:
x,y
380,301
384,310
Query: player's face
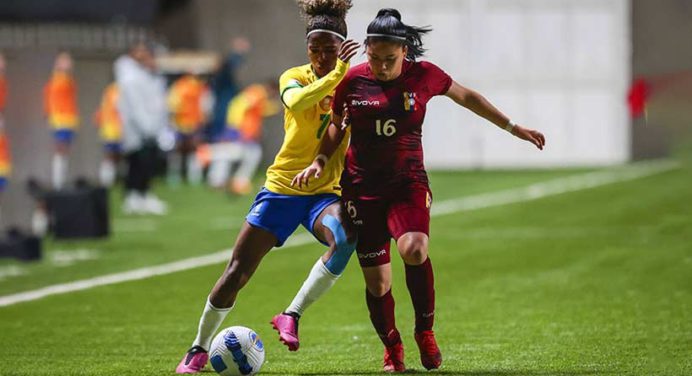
x,y
323,49
143,55
386,59
63,62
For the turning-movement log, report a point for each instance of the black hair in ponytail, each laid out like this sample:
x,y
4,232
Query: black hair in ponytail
x,y
387,25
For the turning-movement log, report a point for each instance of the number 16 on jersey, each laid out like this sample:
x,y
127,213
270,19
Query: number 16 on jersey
x,y
388,129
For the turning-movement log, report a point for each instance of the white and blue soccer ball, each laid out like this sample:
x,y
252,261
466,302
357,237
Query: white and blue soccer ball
x,y
236,351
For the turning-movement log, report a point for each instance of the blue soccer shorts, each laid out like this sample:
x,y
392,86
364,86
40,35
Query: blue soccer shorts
x,y
281,214
63,136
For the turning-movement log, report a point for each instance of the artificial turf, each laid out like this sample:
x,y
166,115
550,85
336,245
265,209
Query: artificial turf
x,y
585,283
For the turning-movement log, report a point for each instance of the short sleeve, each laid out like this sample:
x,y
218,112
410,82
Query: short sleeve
x,y
438,80
340,94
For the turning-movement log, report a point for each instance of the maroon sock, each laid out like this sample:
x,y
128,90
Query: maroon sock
x,y
382,317
421,286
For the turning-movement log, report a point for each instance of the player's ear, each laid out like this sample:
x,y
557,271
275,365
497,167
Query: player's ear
x,y
404,49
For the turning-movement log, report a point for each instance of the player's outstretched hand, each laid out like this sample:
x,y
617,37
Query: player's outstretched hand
x,y
303,178
348,50
346,120
530,135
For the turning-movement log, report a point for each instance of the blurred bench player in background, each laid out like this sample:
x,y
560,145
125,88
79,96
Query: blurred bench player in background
x,y
60,104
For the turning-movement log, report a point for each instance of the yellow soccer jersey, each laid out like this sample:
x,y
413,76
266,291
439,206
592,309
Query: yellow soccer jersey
x,y
307,113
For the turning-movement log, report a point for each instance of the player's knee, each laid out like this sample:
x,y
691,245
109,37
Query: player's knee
x,y
378,288
413,249
343,245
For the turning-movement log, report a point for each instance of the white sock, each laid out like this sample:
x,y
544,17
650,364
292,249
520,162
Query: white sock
x,y
218,173
107,173
209,323
59,171
194,170
318,282
39,222
174,172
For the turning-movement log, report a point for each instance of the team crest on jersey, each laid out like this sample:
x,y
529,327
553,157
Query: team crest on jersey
x,y
410,103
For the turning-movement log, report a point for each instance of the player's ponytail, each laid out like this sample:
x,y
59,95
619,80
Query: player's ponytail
x,y
325,16
387,25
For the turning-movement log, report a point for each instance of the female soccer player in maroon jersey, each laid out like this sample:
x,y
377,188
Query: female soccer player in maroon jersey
x,y
385,185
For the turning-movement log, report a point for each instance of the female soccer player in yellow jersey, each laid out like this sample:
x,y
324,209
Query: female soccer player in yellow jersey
x,y
306,92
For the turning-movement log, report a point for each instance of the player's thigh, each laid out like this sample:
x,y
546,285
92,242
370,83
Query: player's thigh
x,y
332,220
63,140
370,222
409,211
251,245
184,142
277,214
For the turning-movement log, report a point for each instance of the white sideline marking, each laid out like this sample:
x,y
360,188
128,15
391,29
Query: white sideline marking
x,y
553,187
509,196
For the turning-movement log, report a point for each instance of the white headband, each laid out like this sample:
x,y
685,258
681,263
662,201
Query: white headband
x,y
387,36
325,31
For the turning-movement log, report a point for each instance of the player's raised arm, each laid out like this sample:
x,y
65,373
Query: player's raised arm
x,y
483,108
330,142
297,98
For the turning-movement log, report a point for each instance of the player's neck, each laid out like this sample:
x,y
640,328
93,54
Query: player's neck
x,y
314,71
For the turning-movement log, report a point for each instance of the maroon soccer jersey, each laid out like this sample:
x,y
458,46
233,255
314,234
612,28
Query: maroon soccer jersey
x,y
386,148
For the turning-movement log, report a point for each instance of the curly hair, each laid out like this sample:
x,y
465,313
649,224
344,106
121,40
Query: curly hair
x,y
325,14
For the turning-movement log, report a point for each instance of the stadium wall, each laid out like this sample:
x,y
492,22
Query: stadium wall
x,y
661,54
559,66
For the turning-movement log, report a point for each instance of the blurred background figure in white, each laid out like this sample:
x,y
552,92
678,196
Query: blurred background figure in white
x,y
60,105
142,107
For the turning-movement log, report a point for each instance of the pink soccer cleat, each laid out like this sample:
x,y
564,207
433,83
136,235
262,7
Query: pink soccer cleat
x,y
287,326
430,355
394,359
194,361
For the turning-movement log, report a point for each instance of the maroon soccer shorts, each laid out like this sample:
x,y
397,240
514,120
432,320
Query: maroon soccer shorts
x,y
378,218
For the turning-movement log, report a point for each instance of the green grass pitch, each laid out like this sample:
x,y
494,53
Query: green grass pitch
x,y
595,282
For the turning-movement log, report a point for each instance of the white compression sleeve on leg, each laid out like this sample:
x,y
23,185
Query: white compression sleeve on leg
x,y
318,282
59,171
107,172
209,323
